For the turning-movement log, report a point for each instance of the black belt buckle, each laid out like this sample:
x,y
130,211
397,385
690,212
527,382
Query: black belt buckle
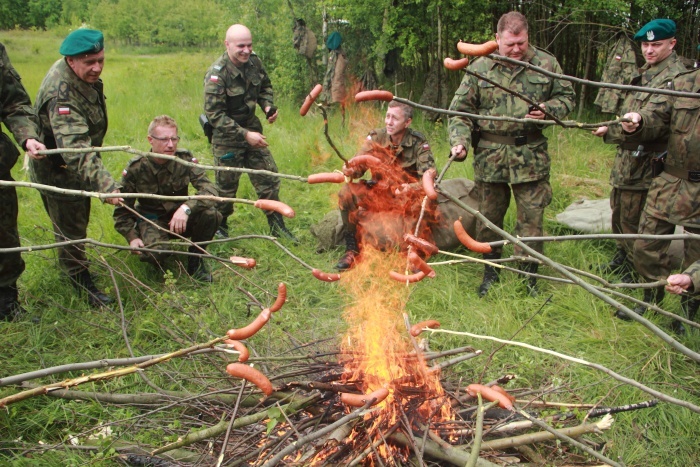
x,y
520,140
694,176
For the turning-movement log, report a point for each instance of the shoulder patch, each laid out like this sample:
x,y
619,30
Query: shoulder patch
x,y
214,78
217,67
426,146
195,161
124,172
369,137
63,110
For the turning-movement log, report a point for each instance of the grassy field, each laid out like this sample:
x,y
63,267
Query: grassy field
x,y
166,315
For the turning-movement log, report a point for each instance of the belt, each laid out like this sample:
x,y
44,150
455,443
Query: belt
x,y
646,147
690,175
517,140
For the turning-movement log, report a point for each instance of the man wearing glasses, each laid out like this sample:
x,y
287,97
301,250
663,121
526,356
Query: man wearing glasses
x,y
151,223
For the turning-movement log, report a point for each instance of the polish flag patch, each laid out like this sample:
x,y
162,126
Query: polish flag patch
x,y
214,78
64,111
195,161
369,137
124,172
426,146
617,57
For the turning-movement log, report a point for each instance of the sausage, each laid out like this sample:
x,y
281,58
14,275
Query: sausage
x,y
252,328
429,184
238,346
277,206
330,177
490,395
281,298
375,95
423,245
418,262
248,373
417,277
417,328
468,241
324,276
477,50
245,263
359,400
452,64
358,165
502,391
315,92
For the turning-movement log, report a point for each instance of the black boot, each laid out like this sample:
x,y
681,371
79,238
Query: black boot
x,y
222,230
652,296
351,252
196,267
278,229
490,274
530,281
10,308
82,281
618,261
689,308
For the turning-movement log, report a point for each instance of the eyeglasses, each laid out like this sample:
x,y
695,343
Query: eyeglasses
x,y
173,139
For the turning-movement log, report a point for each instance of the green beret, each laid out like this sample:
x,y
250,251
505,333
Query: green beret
x,y
334,41
82,41
656,30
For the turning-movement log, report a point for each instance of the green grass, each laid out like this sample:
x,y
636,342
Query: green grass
x,y
162,316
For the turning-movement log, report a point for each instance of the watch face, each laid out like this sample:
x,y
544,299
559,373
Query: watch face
x,y
187,210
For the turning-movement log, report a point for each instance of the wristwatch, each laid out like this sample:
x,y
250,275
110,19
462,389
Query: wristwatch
x,y
186,208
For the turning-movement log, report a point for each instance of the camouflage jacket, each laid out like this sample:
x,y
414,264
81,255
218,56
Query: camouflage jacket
x,y
501,163
230,97
16,112
675,200
72,114
142,175
620,68
632,170
694,272
413,154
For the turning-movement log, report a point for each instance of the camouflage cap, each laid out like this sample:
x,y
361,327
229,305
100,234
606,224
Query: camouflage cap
x,y
82,41
656,30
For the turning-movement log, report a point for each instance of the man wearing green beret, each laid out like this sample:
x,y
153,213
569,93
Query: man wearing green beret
x,y
72,113
18,116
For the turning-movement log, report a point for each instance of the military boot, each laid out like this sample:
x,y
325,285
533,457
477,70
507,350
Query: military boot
x,y
530,281
196,268
689,308
351,252
278,229
222,230
82,281
490,274
652,296
10,308
618,261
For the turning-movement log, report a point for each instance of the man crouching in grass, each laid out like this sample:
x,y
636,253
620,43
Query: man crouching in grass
x,y
152,223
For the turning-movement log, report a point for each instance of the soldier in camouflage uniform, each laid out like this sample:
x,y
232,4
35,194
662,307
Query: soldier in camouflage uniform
x,y
674,194
197,219
72,113
509,156
409,149
17,114
632,172
233,86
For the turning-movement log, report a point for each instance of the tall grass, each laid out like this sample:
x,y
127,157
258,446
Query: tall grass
x,y
166,314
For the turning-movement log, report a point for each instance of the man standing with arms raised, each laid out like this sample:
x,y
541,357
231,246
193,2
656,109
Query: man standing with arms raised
x,y
71,108
233,86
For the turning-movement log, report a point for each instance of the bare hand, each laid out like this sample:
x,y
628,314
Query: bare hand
x,y
136,243
403,188
459,152
536,114
33,146
256,140
272,118
678,283
631,127
600,131
114,201
178,223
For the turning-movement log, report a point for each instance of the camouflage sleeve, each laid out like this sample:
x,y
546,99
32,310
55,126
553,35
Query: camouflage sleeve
x,y
16,109
656,116
694,272
204,186
124,219
562,96
424,158
266,97
70,128
465,100
215,106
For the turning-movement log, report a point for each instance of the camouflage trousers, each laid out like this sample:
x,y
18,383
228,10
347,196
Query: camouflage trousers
x,y
530,199
627,207
201,226
11,264
266,186
70,216
651,258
